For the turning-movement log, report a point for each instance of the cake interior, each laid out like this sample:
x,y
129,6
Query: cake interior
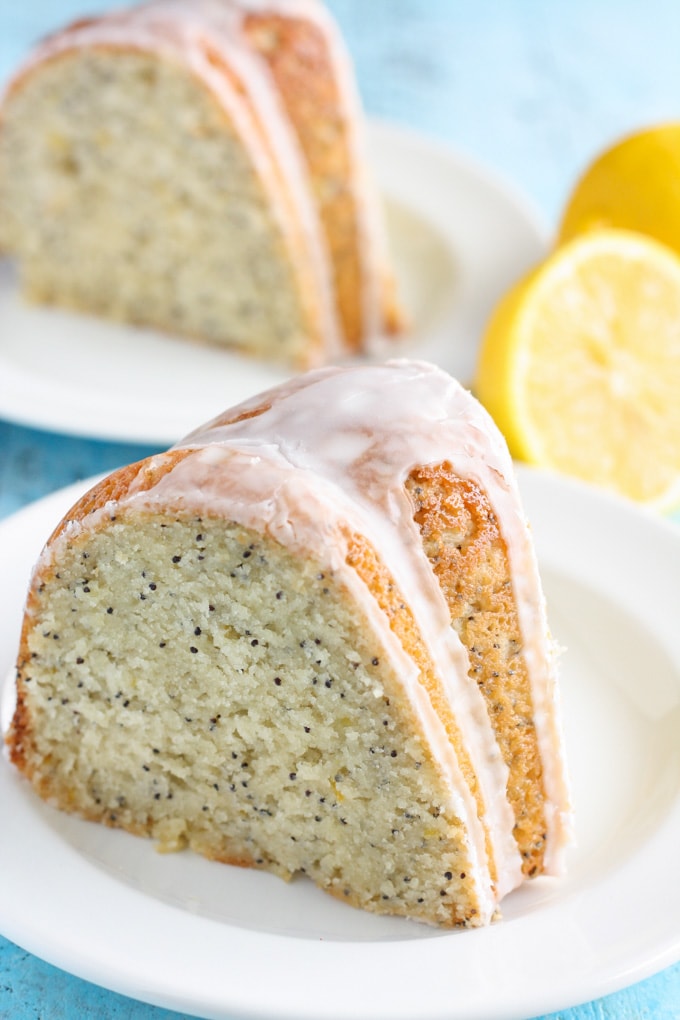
x,y
114,165
191,680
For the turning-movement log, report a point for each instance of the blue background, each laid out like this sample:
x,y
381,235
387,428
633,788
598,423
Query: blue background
x,y
533,89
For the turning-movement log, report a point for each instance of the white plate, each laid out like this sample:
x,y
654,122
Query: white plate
x,y
459,238
216,941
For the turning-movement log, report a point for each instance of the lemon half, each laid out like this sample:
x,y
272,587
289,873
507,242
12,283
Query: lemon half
x,y
633,185
580,365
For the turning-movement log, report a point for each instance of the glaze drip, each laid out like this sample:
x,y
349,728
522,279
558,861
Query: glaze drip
x,y
331,452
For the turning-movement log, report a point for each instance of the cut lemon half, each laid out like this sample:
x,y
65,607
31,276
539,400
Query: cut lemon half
x,y
634,185
580,365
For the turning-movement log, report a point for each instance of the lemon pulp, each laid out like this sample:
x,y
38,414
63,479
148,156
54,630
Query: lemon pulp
x,y
580,365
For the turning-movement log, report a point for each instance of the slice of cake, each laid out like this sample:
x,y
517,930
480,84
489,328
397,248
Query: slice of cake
x,y
310,638
198,166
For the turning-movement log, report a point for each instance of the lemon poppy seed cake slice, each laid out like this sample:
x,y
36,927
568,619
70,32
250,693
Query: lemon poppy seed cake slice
x,y
310,638
198,166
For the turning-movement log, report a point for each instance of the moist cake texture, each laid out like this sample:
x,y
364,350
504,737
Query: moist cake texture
x,y
199,166
310,638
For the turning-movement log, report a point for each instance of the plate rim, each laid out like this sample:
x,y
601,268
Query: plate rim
x,y
413,955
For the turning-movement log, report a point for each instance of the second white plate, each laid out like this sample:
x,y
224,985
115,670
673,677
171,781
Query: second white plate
x,y
459,238
221,942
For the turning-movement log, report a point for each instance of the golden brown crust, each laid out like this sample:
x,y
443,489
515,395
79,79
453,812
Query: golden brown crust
x,y
146,473
296,52
230,419
464,545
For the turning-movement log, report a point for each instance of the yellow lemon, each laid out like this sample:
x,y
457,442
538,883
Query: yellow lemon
x,y
580,365
634,185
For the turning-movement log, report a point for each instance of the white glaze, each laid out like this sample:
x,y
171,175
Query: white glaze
x,y
188,32
328,458
363,430
353,435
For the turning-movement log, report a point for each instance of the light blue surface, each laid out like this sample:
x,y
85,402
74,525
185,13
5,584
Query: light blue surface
x,y
533,89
